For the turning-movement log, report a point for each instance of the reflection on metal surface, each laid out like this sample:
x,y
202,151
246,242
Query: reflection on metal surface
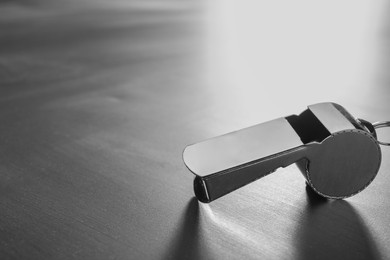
x,y
241,147
337,155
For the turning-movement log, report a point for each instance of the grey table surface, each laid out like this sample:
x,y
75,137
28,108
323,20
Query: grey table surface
x,y
99,98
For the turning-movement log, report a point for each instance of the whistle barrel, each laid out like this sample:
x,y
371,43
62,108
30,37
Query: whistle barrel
x,y
230,161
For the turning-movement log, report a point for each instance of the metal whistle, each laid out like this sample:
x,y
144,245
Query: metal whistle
x,y
338,154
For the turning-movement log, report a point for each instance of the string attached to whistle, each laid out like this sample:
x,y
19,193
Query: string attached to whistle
x,y
371,128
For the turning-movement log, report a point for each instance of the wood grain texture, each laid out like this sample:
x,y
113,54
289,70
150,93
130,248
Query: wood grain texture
x,y
98,101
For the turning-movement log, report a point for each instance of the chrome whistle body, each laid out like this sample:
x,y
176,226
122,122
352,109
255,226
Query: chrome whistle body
x,y
338,155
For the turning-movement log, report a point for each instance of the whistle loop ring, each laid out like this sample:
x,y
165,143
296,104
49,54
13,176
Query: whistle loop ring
x,y
369,127
381,124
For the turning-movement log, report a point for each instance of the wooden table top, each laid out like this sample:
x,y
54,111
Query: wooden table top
x,y
98,100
